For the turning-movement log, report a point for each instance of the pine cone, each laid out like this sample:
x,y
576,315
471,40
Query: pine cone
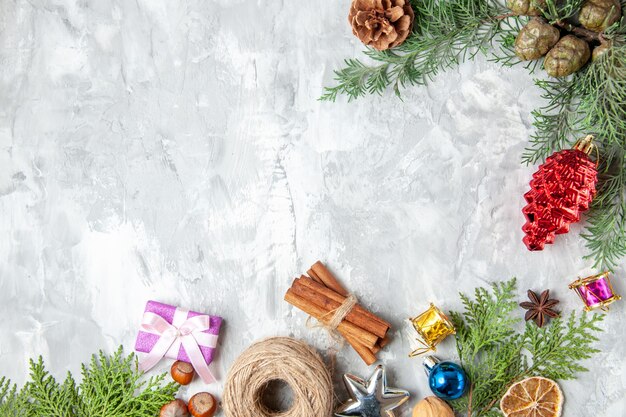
x,y
568,56
598,15
526,7
600,50
535,39
381,24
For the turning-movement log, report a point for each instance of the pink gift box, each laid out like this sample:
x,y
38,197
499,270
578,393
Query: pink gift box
x,y
146,341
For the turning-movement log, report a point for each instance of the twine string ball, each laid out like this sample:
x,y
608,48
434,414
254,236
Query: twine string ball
x,y
284,359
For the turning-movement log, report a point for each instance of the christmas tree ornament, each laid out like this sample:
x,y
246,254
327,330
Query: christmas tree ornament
x,y
568,56
599,15
560,190
381,24
533,397
447,380
539,308
371,398
595,291
535,39
432,407
526,7
432,327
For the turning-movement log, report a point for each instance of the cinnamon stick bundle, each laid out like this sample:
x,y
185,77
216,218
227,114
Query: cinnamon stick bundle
x,y
320,295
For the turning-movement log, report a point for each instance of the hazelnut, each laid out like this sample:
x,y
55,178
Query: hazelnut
x,y
182,372
202,404
432,407
176,408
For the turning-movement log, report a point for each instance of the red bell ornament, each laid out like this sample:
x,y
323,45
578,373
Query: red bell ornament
x,y
561,189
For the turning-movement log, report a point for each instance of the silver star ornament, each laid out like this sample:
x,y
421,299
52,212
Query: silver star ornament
x,y
371,398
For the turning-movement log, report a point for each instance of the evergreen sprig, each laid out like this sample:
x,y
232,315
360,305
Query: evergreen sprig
x,y
495,355
110,386
557,122
557,349
49,397
592,101
13,403
446,34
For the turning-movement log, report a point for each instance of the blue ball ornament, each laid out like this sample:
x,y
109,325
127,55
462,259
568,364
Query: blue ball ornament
x,y
447,380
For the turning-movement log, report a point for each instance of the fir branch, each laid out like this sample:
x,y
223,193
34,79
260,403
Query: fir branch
x,y
495,356
487,316
604,104
556,350
446,34
603,95
13,403
47,396
111,386
358,79
481,332
557,122
581,32
605,234
558,11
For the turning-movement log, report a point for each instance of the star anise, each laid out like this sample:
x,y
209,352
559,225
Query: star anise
x,y
540,308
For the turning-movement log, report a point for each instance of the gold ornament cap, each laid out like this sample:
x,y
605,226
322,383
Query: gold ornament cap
x,y
587,146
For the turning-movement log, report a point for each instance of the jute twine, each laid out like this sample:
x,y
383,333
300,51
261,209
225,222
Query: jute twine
x,y
341,312
336,317
283,359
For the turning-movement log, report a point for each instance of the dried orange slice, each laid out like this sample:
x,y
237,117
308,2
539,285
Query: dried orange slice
x,y
533,397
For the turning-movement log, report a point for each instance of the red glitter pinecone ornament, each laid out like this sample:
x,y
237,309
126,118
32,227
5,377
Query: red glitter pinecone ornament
x,y
560,190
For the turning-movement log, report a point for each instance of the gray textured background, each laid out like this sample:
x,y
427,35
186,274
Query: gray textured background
x,y
176,150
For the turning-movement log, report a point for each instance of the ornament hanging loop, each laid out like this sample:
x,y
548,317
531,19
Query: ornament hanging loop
x,y
587,146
